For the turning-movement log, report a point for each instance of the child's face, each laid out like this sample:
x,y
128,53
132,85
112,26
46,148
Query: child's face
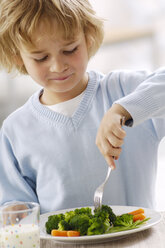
x,y
57,65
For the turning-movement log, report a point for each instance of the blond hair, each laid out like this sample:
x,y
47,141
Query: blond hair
x,y
20,18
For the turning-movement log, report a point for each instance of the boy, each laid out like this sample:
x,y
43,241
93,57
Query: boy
x,y
47,147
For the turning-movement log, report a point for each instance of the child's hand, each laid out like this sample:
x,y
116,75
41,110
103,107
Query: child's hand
x,y
10,217
110,136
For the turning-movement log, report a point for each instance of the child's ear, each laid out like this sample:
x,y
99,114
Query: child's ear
x,y
89,42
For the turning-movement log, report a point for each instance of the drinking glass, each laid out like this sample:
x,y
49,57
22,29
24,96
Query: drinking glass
x,y
19,225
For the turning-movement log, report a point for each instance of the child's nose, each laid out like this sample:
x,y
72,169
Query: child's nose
x,y
58,65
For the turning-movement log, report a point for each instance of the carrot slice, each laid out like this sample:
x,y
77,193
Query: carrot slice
x,y
138,217
55,232
138,211
73,233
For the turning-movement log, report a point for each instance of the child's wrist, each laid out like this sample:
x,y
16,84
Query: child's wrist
x,y
120,110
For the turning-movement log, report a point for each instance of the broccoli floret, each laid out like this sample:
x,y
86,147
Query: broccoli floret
x,y
53,221
112,216
63,225
98,226
68,216
80,223
124,220
104,211
107,225
86,211
102,215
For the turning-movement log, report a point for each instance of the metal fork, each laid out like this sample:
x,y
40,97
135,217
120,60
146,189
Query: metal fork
x,y
98,196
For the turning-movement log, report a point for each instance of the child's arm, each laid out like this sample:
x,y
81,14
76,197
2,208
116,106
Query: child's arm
x,y
13,186
145,102
110,136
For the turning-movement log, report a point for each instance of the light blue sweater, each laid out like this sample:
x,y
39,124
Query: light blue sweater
x,y
52,159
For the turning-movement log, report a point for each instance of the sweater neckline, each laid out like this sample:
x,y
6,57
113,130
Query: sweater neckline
x,y
54,118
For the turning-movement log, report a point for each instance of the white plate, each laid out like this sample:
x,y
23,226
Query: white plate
x,y
155,218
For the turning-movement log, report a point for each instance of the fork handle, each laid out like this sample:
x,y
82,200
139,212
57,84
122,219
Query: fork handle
x,y
108,173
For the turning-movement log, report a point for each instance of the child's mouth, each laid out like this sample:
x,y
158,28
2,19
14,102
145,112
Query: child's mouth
x,y
63,78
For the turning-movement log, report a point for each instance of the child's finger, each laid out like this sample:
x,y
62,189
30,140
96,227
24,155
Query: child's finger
x,y
119,132
110,161
13,218
114,141
5,219
108,150
117,128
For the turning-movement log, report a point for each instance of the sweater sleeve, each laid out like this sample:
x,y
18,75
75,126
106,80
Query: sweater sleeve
x,y
147,100
13,187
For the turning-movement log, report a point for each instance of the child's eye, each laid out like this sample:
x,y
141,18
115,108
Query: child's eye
x,y
42,59
71,51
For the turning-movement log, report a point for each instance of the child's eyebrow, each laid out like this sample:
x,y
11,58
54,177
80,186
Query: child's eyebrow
x,y
66,44
37,52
